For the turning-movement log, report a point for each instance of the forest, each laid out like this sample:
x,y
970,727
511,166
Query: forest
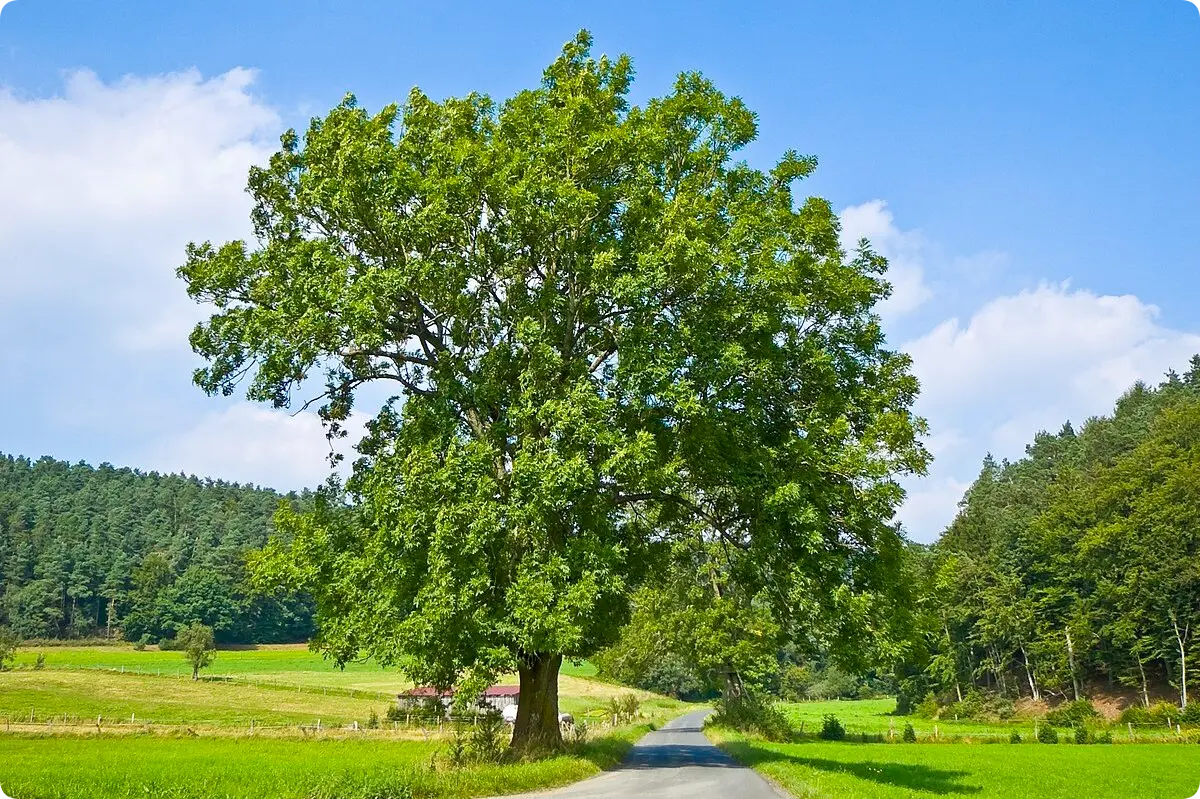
x,y
101,552
1075,568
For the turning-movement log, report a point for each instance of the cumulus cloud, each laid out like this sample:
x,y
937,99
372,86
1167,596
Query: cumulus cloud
x,y
252,444
1024,363
103,185
906,252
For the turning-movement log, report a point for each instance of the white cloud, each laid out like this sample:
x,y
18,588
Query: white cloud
x,y
1025,363
102,186
905,250
252,444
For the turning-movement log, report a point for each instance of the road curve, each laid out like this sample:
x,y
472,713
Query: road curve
x,y
674,762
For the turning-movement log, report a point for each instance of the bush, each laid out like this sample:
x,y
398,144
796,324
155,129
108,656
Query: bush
x,y
1015,738
40,663
373,721
8,648
970,707
1190,715
1073,714
1135,715
1104,737
1047,734
1163,713
489,738
928,707
831,728
749,713
395,713
1082,736
910,735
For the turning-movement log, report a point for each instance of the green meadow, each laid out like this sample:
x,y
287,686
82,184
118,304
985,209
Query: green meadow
x,y
826,770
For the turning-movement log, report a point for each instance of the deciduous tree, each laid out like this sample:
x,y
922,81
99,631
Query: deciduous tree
x,y
602,331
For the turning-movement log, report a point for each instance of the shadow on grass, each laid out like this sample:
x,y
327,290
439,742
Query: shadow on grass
x,y
902,775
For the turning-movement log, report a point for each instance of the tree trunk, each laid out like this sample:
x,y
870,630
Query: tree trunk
x,y
1145,688
1033,689
537,729
1181,640
1071,662
195,672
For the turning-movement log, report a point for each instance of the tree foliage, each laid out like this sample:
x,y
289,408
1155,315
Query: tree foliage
x,y
1080,563
98,551
198,645
604,334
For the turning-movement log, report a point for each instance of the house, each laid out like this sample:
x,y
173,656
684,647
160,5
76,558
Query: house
x,y
496,697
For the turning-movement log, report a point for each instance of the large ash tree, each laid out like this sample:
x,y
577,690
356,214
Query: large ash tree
x,y
602,332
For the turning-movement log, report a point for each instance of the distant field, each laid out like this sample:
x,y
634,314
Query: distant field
x,y
820,770
151,686
256,768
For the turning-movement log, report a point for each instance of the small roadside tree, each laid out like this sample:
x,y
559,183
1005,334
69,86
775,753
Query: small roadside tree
x,y
198,645
603,332
9,641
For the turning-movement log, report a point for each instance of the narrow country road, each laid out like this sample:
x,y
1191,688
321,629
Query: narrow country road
x,y
675,762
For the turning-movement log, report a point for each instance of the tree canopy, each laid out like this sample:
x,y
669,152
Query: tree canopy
x,y
88,551
605,336
1078,564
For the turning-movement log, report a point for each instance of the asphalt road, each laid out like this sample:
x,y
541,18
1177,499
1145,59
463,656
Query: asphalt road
x,y
674,762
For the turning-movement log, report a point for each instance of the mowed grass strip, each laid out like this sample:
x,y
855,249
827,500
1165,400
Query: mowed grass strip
x,y
820,770
169,700
255,768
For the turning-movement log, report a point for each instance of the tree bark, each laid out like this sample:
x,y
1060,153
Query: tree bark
x,y
1071,661
1033,689
1145,688
537,728
1181,639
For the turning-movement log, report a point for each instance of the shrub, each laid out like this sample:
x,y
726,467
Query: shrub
x,y
928,707
1190,715
1073,714
1104,737
8,648
831,728
910,735
40,663
1082,736
373,721
1047,734
576,736
395,713
750,713
630,706
970,707
1015,738
1136,715
1163,713
488,738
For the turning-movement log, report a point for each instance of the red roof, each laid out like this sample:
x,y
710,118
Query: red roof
x,y
491,691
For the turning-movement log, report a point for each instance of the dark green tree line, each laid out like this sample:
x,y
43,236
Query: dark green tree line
x,y
98,551
1079,564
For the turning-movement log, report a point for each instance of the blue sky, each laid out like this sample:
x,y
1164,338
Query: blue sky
x,y
1029,167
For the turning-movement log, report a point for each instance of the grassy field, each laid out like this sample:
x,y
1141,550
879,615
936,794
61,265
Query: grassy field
x,y
117,681
256,768
254,734
291,664
820,770
874,716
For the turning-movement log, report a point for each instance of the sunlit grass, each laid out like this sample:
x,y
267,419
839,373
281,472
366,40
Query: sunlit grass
x,y
1001,770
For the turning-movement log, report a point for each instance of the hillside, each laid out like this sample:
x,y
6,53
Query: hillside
x,y
91,551
1077,565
